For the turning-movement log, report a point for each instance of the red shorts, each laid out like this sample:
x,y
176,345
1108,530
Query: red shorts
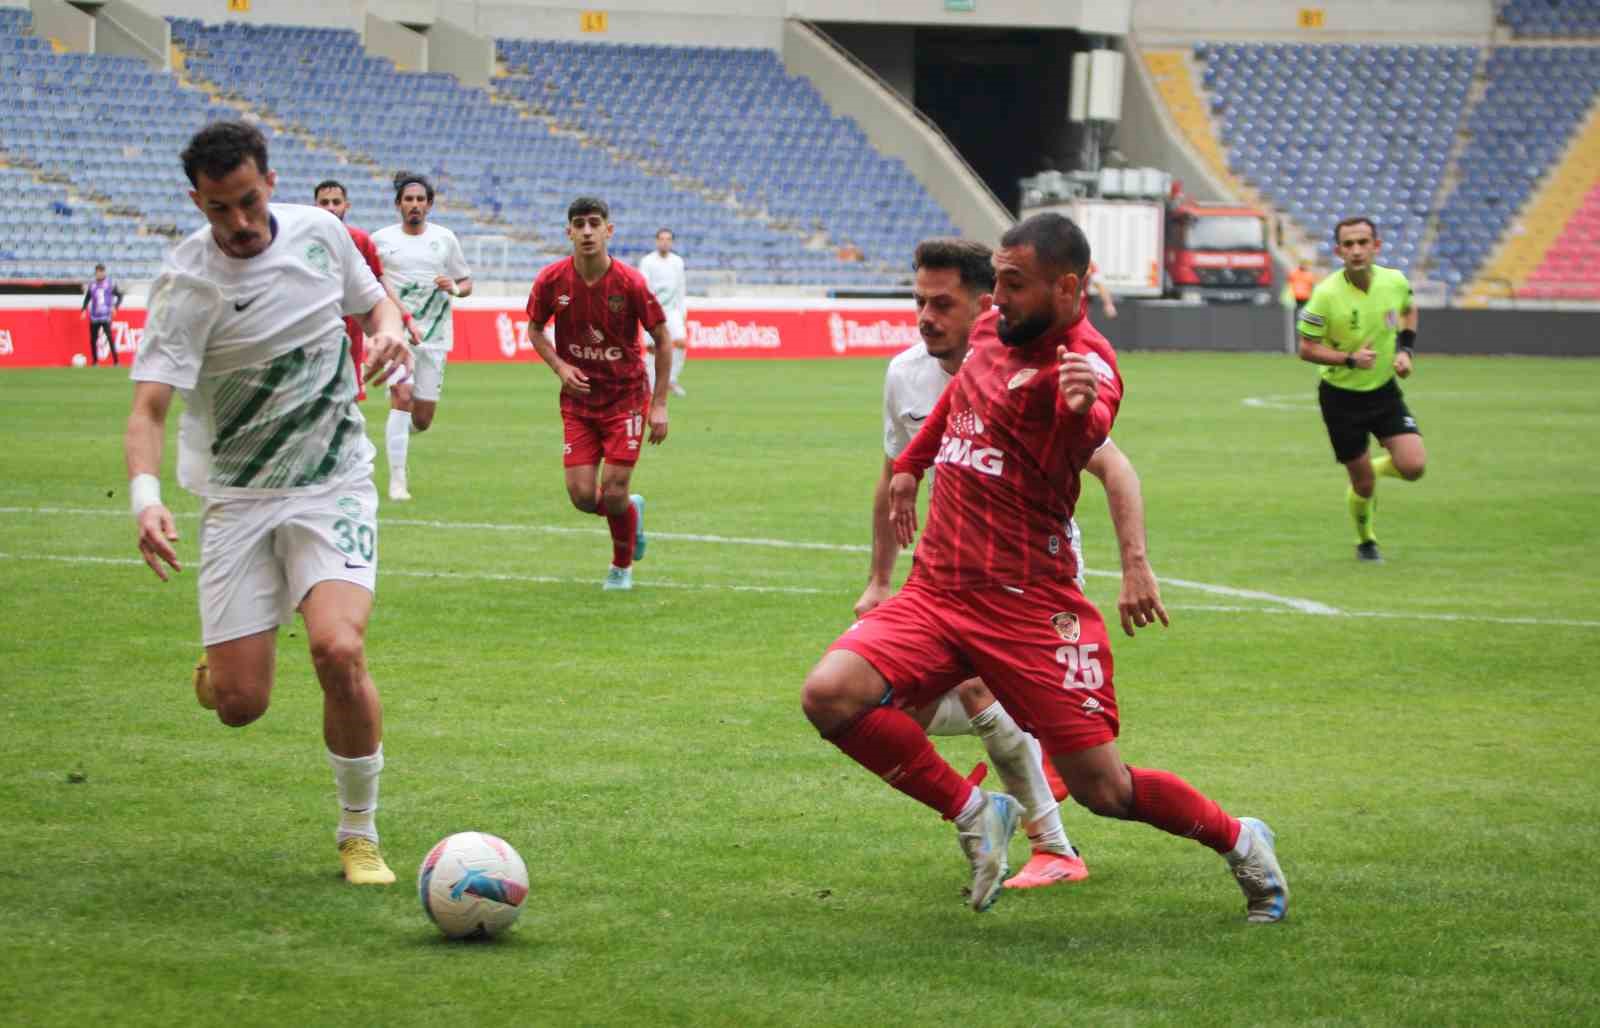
x,y
1043,652
615,437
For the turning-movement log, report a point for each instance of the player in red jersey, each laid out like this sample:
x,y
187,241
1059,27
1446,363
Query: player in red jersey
x,y
332,197
599,303
992,593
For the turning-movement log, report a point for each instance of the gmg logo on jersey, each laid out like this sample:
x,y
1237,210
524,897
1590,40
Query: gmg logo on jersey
x,y
959,451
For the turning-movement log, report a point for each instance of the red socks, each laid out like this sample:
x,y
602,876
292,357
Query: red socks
x,y
894,747
623,527
1162,799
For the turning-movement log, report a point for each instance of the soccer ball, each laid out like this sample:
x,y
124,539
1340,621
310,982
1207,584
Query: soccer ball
x,y
472,885
79,360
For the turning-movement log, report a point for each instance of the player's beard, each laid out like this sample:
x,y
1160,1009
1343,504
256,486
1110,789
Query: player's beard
x,y
1021,333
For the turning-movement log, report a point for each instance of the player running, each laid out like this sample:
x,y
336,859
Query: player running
x,y
992,591
954,284
332,197
1361,325
245,321
663,270
599,303
424,266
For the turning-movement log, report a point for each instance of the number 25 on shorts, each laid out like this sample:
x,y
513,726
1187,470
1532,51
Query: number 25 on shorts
x,y
1083,667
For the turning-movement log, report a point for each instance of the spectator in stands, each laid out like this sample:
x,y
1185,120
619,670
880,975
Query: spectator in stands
x,y
663,271
850,253
1301,281
101,298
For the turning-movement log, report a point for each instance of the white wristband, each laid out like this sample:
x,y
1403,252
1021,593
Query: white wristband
x,y
143,491
455,290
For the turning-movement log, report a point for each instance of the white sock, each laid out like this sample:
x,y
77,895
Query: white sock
x,y
678,354
967,820
1047,833
397,436
1015,756
1242,847
950,717
356,779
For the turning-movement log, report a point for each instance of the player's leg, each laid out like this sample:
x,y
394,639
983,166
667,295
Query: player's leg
x,y
329,553
1344,415
397,435
1398,433
94,342
427,388
111,346
1018,759
583,482
847,697
240,591
679,333
621,440
1059,681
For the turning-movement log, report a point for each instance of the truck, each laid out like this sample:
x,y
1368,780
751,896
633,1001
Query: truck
x,y
1217,252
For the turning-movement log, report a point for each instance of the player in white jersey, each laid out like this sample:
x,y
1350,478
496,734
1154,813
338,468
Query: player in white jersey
x,y
954,284
663,270
424,266
245,321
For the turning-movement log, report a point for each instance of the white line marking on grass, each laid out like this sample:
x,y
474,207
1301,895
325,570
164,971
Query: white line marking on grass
x,y
1280,401
474,576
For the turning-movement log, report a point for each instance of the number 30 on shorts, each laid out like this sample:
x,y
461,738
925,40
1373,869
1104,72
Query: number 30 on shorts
x,y
355,537
1083,667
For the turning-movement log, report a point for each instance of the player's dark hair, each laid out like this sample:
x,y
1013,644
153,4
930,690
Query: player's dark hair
x,y
222,146
1060,243
408,178
99,267
1359,219
667,230
330,183
971,258
588,205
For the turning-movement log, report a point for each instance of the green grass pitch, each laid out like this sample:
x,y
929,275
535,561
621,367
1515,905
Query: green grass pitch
x,y
1421,734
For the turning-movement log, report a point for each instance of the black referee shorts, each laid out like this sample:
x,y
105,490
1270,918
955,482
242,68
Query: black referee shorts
x,y
1351,416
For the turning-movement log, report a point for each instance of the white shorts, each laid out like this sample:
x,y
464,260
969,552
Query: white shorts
x,y
427,380
677,330
260,557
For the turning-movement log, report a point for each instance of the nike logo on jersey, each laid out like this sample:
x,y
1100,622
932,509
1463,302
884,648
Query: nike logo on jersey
x,y
916,417
1021,377
238,306
356,567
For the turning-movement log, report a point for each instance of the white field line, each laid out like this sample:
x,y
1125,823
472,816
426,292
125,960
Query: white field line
x,y
1294,603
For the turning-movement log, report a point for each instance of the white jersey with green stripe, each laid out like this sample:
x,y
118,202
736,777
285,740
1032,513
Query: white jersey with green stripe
x,y
412,264
258,350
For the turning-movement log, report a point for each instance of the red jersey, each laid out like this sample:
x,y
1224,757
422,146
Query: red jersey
x,y
367,250
1009,454
597,332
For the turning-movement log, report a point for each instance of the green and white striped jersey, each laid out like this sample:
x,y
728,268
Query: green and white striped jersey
x,y
412,264
258,349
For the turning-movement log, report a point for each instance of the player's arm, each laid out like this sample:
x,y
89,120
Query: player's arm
x,y
914,460
663,359
116,297
885,548
1139,602
457,280
386,339
1108,302
1406,341
141,447
85,306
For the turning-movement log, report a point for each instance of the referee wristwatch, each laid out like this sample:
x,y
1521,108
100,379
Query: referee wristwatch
x,y
1350,361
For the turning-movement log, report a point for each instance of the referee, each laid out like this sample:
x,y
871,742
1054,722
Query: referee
x,y
1361,326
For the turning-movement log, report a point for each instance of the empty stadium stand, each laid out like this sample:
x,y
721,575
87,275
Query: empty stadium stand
x,y
1532,19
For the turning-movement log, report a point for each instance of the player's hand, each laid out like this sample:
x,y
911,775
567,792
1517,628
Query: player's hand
x,y
658,422
385,352
1110,309
157,533
1139,602
1366,357
573,380
874,594
1079,385
903,507
414,333
1402,363
445,283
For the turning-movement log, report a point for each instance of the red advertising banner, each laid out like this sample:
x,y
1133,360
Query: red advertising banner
x,y
49,337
